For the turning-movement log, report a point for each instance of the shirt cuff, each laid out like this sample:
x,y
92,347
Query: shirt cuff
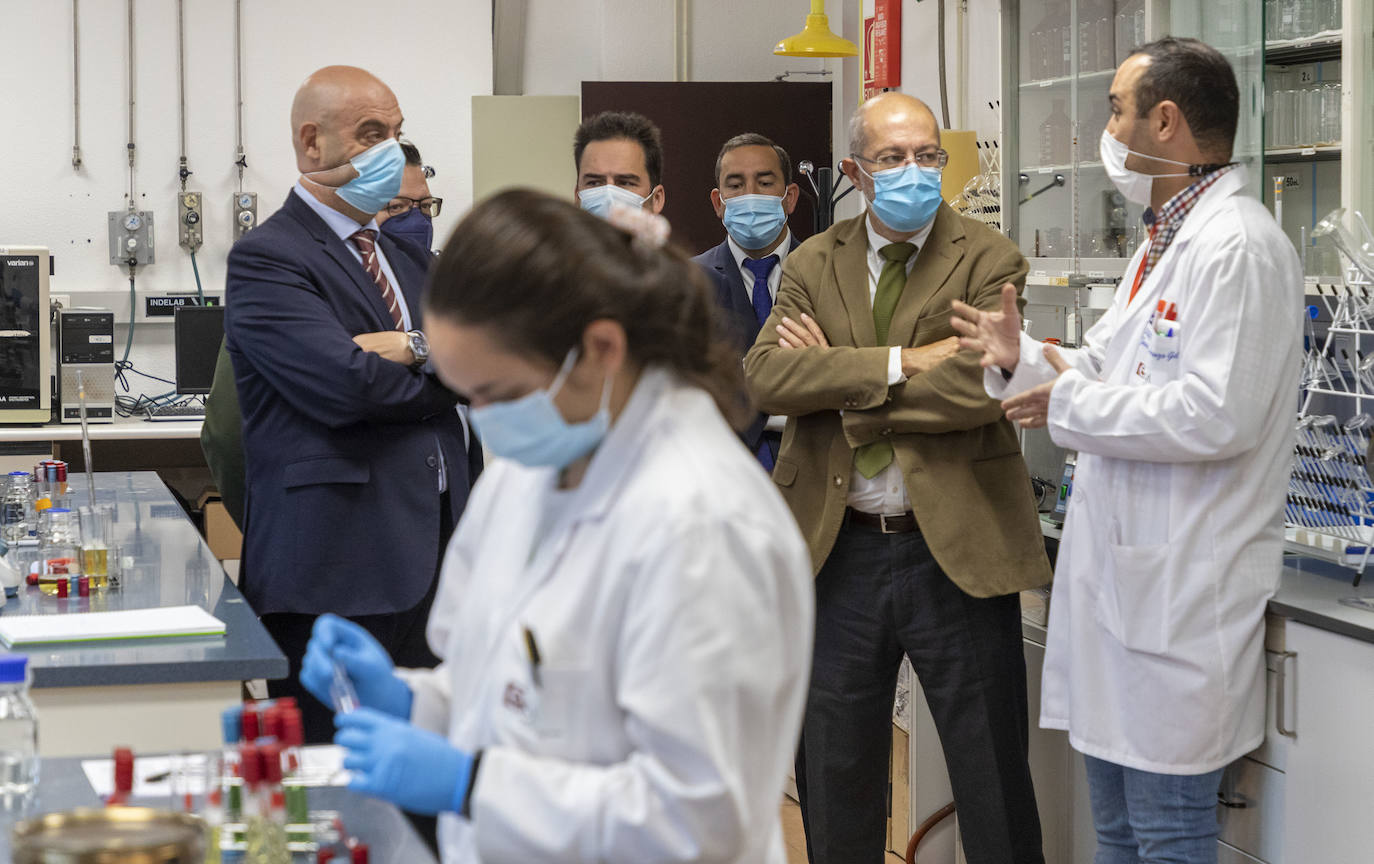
x,y
775,423
1032,369
894,366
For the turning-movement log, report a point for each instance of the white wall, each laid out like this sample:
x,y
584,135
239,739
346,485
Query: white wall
x,y
634,40
435,57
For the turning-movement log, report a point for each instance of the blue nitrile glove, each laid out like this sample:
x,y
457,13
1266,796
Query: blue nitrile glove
x,y
336,639
412,768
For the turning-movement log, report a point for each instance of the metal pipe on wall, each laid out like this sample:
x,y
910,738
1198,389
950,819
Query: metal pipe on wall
x,y
131,146
76,86
682,40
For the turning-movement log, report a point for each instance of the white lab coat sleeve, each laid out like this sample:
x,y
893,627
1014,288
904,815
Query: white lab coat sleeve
x,y
1239,333
712,662
1032,369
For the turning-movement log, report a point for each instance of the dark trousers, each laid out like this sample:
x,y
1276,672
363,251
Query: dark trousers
x,y
880,596
402,634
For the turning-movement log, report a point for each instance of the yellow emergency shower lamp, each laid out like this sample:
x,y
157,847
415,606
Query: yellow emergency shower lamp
x,y
816,40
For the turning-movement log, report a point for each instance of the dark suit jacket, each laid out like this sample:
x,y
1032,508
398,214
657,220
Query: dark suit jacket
x,y
736,313
342,448
957,452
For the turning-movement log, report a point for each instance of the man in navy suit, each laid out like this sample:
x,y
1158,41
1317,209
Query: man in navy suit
x,y
357,464
754,195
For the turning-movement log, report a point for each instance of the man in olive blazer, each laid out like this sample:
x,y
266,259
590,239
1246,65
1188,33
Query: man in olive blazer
x,y
909,485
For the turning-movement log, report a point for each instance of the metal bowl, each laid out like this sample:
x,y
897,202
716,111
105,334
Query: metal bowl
x,y
114,835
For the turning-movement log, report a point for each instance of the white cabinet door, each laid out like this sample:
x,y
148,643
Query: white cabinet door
x,y
1330,782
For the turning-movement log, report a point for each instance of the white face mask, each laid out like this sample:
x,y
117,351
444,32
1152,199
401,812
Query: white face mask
x,y
598,200
1135,186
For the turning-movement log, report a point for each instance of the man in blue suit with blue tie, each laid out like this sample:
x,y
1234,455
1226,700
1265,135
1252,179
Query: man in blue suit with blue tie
x,y
357,463
754,195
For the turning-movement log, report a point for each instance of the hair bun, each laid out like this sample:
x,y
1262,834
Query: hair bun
x,y
649,230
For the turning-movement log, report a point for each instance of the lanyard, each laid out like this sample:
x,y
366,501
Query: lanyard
x,y
1140,274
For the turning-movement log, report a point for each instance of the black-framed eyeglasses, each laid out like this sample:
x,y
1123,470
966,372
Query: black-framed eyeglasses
x,y
428,206
926,159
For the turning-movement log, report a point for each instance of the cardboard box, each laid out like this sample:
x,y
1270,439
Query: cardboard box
x,y
223,536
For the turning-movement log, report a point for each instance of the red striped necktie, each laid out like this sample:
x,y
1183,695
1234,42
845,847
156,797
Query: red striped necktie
x,y
366,241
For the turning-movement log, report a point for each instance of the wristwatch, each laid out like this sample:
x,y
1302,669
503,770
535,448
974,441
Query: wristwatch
x,y
419,346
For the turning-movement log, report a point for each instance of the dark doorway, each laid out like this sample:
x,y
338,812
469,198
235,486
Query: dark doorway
x,y
696,117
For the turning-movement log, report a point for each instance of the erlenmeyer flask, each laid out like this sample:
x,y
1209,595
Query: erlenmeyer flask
x,y
1358,254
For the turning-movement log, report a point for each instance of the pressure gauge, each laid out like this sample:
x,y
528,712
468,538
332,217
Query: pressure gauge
x,y
133,222
190,200
245,201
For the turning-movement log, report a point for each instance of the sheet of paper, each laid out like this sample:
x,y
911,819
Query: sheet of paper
x,y
320,766
168,621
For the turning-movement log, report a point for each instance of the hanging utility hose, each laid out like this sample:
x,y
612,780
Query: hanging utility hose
x,y
925,828
200,292
133,309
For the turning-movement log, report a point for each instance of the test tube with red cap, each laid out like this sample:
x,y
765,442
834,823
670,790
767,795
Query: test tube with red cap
x,y
123,777
250,723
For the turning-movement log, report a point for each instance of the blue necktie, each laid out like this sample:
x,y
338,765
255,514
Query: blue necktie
x,y
763,301
763,305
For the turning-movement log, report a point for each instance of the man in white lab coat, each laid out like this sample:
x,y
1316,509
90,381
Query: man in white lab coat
x,y
1181,406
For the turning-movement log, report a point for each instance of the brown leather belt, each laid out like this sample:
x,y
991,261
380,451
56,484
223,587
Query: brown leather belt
x,y
901,523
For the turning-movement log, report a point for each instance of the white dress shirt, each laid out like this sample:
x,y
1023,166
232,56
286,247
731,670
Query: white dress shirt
x,y
885,492
774,275
775,423
345,227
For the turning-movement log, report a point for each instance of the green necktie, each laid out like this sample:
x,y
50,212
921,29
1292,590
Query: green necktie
x,y
871,459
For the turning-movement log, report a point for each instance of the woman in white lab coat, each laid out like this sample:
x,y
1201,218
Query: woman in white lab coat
x,y
1181,405
624,616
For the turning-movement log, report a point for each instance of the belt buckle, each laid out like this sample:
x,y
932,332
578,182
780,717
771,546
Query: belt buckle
x,y
882,523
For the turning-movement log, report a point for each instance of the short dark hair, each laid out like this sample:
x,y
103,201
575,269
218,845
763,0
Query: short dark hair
x,y
610,125
574,268
412,154
754,139
1196,77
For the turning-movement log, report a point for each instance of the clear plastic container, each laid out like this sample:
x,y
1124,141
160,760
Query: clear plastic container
x,y
1056,136
18,733
15,507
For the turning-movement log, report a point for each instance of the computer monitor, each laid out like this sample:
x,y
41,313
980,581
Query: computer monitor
x,y
198,333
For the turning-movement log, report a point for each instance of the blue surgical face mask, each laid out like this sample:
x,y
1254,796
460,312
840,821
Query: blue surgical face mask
x,y
531,430
412,226
598,199
754,220
905,198
380,169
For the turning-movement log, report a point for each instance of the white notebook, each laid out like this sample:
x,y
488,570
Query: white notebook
x,y
170,621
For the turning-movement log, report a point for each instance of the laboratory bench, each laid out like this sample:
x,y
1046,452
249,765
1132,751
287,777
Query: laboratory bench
x,y
154,694
391,840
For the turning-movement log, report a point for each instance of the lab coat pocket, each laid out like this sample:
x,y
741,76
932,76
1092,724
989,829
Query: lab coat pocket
x,y
1134,597
558,703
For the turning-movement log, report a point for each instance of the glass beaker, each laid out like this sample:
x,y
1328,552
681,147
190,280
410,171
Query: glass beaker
x,y
60,551
97,529
1331,112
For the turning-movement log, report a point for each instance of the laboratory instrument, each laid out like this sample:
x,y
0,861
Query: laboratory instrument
x,y
25,337
86,356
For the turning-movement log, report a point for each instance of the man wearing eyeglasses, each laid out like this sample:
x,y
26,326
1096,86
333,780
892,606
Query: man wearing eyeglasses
x,y
909,485
410,215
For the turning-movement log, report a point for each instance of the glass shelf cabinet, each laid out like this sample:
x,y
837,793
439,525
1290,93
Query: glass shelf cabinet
x,y
1319,118
1058,61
